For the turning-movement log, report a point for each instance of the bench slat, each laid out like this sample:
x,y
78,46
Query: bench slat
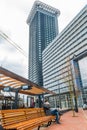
x,y
23,119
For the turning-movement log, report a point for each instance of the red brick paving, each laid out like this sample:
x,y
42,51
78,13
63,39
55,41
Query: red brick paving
x,y
68,122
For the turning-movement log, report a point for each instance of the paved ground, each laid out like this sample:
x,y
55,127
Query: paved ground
x,y
68,122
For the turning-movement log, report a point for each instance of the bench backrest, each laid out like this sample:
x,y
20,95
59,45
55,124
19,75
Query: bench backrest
x,y
9,117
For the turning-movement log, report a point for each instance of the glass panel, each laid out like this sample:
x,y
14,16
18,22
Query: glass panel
x,y
83,71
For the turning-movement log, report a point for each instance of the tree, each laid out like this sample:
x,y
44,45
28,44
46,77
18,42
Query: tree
x,y
70,83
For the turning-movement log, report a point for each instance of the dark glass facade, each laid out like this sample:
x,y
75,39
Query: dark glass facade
x,y
43,28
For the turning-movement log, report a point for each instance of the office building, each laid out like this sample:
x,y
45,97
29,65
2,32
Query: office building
x,y
65,63
43,28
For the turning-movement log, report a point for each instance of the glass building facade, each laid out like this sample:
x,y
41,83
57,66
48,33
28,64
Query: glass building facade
x,y
62,68
43,28
83,72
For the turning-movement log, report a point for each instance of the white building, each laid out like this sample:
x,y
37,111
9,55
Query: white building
x,y
63,55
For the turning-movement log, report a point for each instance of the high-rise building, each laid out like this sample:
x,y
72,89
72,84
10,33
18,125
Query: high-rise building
x,y
65,63
43,28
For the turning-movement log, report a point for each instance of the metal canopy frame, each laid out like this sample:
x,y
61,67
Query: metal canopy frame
x,y
8,78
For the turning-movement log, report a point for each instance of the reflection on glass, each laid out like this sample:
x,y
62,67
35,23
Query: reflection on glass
x,y
83,71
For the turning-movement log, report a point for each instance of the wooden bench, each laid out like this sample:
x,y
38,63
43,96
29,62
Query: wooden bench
x,y
23,119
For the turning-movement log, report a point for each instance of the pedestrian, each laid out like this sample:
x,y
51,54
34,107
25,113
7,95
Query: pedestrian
x,y
49,111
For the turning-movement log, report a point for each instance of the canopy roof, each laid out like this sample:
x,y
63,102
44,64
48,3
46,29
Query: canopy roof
x,y
8,78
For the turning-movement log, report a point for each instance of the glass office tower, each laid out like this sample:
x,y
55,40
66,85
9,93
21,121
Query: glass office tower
x,y
43,28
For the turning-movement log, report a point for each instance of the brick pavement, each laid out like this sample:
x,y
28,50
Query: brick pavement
x,y
68,122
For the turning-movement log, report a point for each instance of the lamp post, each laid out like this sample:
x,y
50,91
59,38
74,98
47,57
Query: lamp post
x,y
75,99
59,92
59,95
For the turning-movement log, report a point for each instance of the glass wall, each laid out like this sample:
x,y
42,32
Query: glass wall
x,y
83,72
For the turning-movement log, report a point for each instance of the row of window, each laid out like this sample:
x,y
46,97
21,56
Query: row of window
x,y
75,24
71,41
67,44
62,57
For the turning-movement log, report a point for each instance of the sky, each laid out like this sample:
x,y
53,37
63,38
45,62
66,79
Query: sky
x,y
13,16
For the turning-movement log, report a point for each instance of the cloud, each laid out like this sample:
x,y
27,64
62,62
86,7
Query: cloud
x,y
1,40
13,16
12,59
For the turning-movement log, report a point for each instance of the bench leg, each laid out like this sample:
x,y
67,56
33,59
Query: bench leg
x,y
49,123
38,127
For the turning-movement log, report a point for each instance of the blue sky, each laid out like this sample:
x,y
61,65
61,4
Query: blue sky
x,y
13,16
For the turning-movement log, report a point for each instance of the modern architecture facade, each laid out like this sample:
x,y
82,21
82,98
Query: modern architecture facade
x,y
63,71
43,28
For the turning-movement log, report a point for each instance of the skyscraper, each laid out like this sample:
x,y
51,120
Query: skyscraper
x,y
43,28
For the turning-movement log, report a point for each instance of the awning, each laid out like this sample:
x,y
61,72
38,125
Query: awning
x,y
8,78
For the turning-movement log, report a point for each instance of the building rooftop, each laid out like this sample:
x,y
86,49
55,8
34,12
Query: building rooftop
x,y
41,6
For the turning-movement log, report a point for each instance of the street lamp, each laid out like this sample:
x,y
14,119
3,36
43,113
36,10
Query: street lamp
x,y
75,99
59,92
59,95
